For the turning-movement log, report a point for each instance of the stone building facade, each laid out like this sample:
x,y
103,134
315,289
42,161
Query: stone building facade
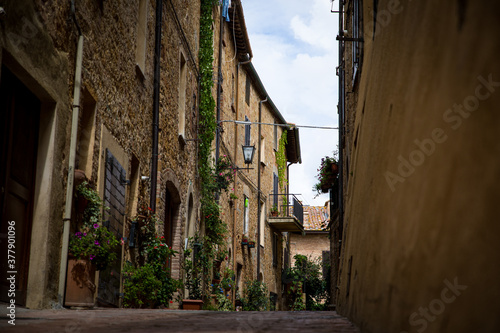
x,y
244,99
420,94
39,42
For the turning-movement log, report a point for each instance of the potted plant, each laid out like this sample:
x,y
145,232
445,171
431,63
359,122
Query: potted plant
x,y
91,248
274,210
251,244
327,174
244,240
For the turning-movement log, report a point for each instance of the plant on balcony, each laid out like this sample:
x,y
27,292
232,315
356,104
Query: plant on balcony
x,y
274,210
327,174
93,241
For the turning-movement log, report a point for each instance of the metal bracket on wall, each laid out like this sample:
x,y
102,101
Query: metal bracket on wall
x,y
349,39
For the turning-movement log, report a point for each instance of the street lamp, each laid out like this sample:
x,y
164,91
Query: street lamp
x,y
248,152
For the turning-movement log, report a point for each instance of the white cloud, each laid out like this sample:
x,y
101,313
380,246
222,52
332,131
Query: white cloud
x,y
295,55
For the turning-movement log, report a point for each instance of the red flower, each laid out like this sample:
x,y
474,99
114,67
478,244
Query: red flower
x,y
162,237
156,247
149,208
171,301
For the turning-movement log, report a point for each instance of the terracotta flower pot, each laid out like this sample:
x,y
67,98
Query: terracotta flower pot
x,y
335,168
192,304
80,287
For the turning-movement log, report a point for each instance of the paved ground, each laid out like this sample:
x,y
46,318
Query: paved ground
x,y
135,320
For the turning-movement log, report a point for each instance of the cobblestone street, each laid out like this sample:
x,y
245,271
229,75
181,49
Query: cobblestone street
x,y
135,320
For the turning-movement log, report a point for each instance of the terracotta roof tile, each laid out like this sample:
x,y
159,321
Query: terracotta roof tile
x,y
314,217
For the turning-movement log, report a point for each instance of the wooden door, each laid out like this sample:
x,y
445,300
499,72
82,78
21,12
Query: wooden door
x,y
19,121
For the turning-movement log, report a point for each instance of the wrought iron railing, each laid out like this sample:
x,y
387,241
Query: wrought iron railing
x,y
287,205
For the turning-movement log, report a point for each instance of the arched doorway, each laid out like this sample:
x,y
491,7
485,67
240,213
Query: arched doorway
x,y
171,225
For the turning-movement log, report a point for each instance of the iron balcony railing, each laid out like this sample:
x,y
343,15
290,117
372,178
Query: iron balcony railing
x,y
287,205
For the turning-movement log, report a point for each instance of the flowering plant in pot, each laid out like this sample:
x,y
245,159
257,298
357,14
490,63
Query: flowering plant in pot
x,y
274,210
93,241
327,173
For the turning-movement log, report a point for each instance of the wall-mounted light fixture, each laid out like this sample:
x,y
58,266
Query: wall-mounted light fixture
x,y
248,152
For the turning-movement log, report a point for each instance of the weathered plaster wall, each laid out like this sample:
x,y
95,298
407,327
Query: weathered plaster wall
x,y
420,251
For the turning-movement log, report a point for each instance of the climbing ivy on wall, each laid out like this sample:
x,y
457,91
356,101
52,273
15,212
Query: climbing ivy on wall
x,y
281,161
215,228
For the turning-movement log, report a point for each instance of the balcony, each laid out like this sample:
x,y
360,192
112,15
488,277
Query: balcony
x,y
290,213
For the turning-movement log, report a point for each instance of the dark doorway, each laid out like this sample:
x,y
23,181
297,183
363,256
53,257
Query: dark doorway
x,y
168,232
19,121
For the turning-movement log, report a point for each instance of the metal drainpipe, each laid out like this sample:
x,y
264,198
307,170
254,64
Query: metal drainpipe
x,y
156,106
259,207
71,163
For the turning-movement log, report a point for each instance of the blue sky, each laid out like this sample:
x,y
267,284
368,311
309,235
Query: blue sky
x,y
295,54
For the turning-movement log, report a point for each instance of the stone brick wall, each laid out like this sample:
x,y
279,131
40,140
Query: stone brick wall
x,y
310,245
117,98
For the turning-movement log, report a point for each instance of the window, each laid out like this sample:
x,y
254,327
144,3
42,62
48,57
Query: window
x,y
142,27
246,220
247,132
275,190
275,249
182,95
262,221
262,150
357,46
233,104
247,91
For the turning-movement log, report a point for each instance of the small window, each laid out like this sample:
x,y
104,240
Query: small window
x,y
275,249
262,222
182,95
262,150
247,132
247,91
233,104
275,190
246,214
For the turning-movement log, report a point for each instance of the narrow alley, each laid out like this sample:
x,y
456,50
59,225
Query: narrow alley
x,y
249,166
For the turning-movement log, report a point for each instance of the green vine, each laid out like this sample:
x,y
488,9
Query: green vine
x,y
211,181
281,161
